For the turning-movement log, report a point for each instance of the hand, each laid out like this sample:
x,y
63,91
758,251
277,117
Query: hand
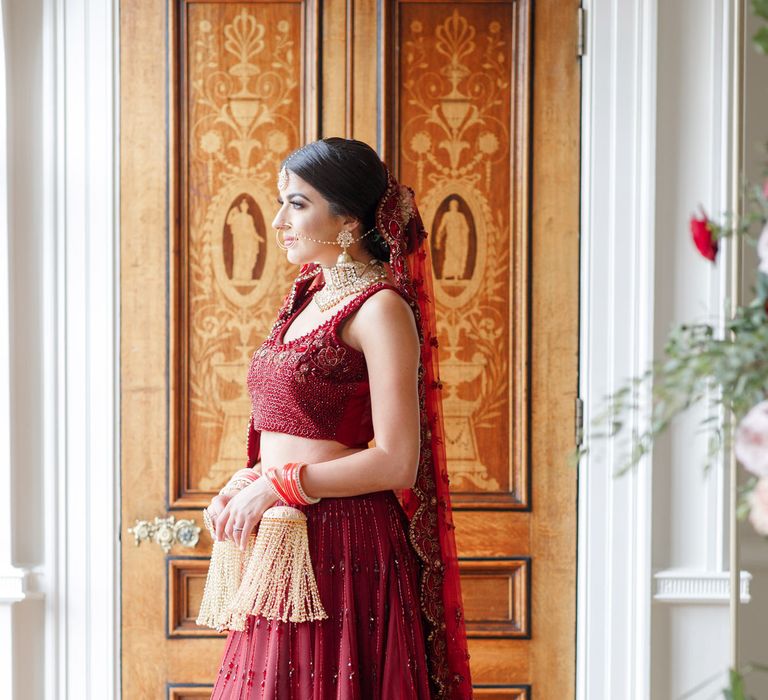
x,y
217,505
244,512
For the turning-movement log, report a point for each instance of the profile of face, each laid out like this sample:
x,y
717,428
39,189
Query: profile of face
x,y
305,213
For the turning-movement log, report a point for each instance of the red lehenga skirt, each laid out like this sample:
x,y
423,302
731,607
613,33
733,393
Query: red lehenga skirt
x,y
371,646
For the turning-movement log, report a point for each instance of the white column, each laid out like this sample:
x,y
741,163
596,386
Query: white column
x,y
62,355
21,602
618,200
653,580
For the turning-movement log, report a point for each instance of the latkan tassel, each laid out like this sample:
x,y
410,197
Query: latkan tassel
x,y
278,582
225,573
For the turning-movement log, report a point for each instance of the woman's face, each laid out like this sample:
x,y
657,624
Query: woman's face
x,y
305,212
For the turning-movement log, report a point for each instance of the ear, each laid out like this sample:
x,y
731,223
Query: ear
x,y
350,222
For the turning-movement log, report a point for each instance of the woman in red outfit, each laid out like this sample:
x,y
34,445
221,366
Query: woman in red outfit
x,y
351,358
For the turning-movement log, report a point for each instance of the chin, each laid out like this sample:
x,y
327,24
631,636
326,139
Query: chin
x,y
291,255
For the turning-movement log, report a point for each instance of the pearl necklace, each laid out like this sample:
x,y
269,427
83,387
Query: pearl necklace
x,y
347,277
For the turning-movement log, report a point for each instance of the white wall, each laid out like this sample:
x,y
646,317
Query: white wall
x,y
754,549
653,579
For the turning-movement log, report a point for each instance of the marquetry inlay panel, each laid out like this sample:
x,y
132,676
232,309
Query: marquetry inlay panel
x,y
459,86
242,107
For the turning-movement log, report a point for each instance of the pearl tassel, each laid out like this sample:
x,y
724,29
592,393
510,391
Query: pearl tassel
x,y
273,577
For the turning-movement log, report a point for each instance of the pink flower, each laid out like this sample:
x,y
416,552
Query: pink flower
x,y
702,237
762,250
765,189
758,501
751,443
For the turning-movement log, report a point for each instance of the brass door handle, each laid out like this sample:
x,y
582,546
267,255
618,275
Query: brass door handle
x,y
166,532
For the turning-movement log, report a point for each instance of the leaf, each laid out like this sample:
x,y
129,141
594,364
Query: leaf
x,y
760,40
760,8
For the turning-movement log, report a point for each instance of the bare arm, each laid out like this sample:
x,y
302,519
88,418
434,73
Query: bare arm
x,y
386,331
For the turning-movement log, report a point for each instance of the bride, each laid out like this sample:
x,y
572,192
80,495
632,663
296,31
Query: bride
x,y
350,359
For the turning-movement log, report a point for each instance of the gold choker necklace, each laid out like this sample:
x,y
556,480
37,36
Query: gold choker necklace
x,y
347,277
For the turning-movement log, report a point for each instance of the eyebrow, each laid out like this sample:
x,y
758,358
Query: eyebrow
x,y
298,194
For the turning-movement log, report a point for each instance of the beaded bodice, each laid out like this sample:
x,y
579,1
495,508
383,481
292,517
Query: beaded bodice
x,y
316,385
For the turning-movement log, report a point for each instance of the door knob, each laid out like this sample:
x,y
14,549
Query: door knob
x,y
166,532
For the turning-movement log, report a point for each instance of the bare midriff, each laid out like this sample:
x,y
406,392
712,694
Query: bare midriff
x,y
279,448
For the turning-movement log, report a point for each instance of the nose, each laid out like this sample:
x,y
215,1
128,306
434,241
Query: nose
x,y
279,224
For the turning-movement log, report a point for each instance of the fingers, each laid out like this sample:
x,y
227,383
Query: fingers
x,y
242,536
220,524
236,530
216,508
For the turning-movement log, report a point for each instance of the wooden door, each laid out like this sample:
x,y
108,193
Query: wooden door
x,y
475,105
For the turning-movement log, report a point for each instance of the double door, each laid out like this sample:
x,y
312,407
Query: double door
x,y
473,104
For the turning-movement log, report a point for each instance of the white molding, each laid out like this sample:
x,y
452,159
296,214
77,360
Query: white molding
x,y
22,584
15,581
81,370
707,587
617,301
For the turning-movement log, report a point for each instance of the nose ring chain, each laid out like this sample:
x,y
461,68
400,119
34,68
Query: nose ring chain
x,y
344,238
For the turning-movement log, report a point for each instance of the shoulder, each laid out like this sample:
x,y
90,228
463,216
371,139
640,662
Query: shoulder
x,y
384,324
386,307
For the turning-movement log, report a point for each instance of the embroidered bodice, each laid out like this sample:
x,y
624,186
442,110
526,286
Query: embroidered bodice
x,y
315,385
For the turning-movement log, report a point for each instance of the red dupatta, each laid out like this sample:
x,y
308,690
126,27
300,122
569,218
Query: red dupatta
x,y
428,503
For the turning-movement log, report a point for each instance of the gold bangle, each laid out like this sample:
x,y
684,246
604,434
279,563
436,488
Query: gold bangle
x,y
235,486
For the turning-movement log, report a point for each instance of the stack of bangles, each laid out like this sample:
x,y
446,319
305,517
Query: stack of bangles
x,y
284,481
286,484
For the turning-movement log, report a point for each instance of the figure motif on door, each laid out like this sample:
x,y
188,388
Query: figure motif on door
x,y
246,241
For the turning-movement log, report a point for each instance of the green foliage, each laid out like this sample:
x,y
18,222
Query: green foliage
x,y
760,38
736,689
731,371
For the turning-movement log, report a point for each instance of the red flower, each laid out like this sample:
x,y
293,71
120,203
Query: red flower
x,y
703,238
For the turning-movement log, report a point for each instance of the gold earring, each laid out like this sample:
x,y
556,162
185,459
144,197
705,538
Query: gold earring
x,y
344,239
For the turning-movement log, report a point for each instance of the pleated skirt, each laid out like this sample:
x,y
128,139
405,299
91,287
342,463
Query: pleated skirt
x,y
373,643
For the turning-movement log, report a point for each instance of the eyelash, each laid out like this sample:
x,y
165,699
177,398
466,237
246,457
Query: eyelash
x,y
294,204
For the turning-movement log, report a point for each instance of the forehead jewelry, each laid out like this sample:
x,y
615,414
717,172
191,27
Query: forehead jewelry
x,y
282,176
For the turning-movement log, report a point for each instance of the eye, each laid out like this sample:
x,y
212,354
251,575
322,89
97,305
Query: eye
x,y
296,204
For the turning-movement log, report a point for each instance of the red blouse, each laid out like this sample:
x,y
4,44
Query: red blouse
x,y
316,385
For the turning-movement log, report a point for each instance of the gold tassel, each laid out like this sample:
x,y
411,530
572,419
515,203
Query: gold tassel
x,y
273,577
225,573
278,581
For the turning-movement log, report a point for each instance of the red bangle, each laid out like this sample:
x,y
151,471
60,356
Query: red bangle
x,y
289,471
294,474
277,486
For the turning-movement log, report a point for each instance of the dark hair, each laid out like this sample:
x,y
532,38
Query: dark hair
x,y
351,176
